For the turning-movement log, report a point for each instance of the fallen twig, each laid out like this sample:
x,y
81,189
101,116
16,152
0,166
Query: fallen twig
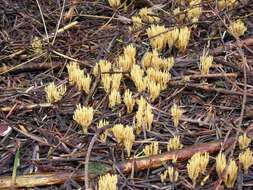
x,y
26,107
214,75
87,158
5,69
208,88
231,45
33,67
183,154
35,180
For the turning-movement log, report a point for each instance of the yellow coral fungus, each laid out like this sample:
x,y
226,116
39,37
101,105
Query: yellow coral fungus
x,y
116,79
77,77
151,59
195,10
193,170
74,72
153,74
114,3
164,79
154,89
85,83
101,124
147,15
140,114
172,36
53,93
174,144
137,77
37,45
156,34
244,141
231,174
176,114
197,165
149,117
220,163
144,116
246,159
179,14
167,63
106,82
172,173
78,80
103,66
108,182
129,139
114,98
137,22
147,59
83,116
237,28
206,61
142,103
136,70
151,149
222,4
118,132
160,77
130,51
129,100
124,135
183,38
127,60
72,66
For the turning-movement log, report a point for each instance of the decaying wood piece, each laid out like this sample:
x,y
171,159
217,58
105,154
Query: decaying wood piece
x,y
35,180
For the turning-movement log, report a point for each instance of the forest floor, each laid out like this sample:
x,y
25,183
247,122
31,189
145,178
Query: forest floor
x,y
42,146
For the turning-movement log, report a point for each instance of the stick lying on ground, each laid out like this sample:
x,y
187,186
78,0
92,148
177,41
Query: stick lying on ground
x,y
35,180
26,107
230,46
183,154
138,164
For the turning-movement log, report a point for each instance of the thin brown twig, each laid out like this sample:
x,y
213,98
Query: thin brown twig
x,y
59,22
87,158
31,136
213,75
43,20
9,69
207,88
183,154
244,61
26,107
231,45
